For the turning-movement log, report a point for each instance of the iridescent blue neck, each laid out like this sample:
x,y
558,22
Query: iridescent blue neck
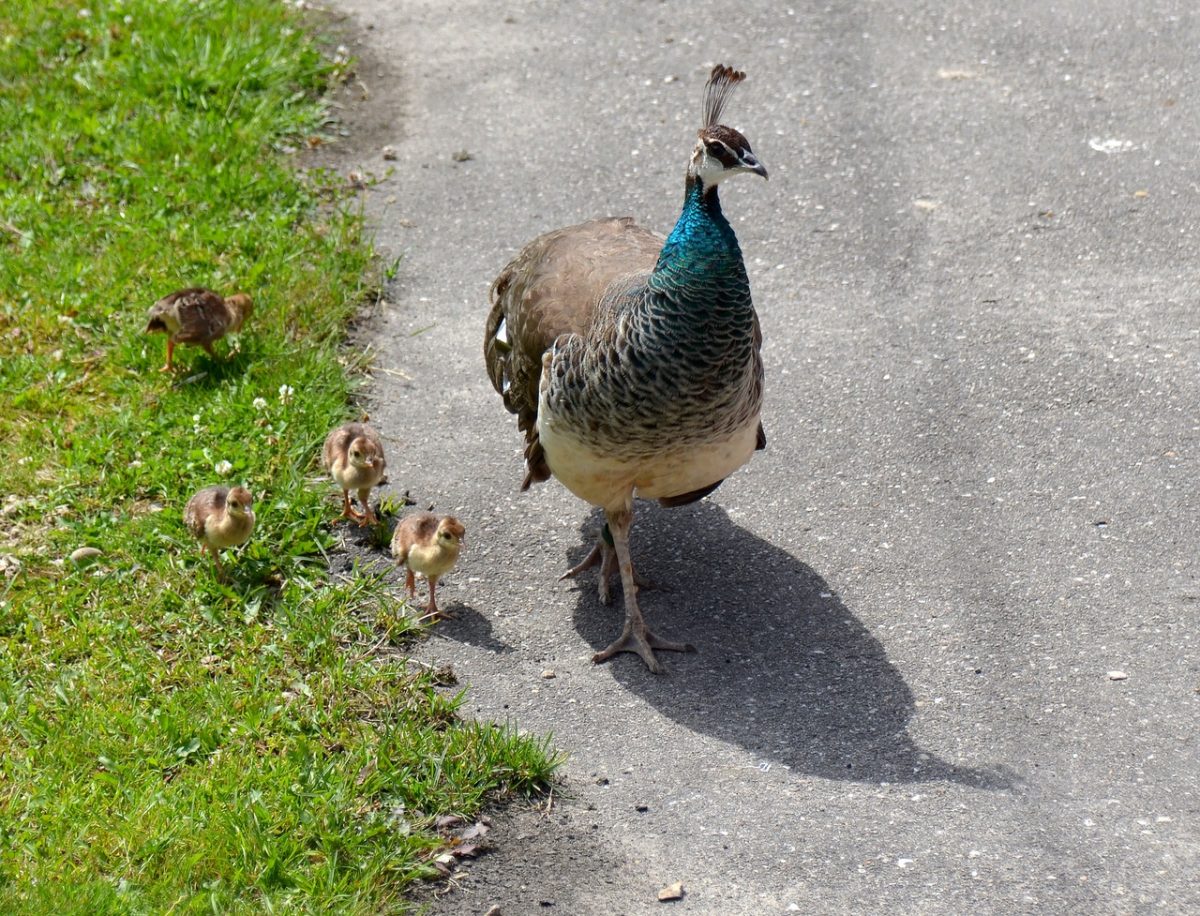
x,y
702,240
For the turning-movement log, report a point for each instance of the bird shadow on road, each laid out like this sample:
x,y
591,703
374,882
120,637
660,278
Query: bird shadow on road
x,y
784,668
467,625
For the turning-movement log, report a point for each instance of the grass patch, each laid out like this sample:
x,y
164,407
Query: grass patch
x,y
167,741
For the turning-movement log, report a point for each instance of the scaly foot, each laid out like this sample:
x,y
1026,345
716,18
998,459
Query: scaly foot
x,y
606,557
642,640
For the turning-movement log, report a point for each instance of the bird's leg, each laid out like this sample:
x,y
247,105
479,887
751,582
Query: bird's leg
x,y
411,582
604,554
432,612
216,555
347,509
601,554
368,517
208,348
170,355
635,636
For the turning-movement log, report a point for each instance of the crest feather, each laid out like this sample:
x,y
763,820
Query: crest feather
x,y
720,83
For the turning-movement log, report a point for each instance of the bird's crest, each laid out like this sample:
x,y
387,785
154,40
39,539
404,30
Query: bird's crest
x,y
720,83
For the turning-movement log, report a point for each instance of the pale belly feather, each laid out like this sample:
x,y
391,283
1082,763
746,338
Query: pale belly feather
x,y
610,482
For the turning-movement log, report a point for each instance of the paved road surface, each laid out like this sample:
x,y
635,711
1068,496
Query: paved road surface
x,y
975,265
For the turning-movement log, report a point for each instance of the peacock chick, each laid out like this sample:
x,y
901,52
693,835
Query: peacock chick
x,y
430,546
197,316
220,517
353,456
633,361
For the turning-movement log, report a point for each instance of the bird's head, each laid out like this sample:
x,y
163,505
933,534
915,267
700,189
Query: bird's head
x,y
364,453
241,306
162,319
238,502
450,532
721,151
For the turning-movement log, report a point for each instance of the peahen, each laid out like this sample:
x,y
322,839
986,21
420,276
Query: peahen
x,y
632,362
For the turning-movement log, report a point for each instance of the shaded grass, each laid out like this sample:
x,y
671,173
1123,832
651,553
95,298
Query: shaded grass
x,y
167,741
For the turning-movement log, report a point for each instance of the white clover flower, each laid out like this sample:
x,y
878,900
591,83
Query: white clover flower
x,y
286,392
260,404
223,468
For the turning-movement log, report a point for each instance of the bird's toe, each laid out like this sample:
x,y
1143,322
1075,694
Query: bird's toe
x,y
643,642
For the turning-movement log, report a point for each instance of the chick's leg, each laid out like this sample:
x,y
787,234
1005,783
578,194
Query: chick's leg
x,y
216,555
635,636
367,517
347,509
432,611
170,355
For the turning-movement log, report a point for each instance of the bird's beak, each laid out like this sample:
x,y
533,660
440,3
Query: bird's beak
x,y
751,164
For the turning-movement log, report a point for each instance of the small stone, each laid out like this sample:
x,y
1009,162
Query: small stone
x,y
461,156
85,555
1117,675
671,892
493,911
389,153
549,674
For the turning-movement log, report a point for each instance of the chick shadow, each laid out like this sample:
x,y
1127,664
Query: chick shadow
x,y
467,625
198,369
783,668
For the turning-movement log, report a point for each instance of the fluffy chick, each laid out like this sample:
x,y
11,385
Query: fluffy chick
x,y
353,456
430,546
197,316
220,517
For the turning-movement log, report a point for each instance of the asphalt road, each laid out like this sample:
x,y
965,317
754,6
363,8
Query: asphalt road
x,y
947,621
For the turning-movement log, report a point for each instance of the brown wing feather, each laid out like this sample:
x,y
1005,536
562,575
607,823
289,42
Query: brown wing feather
x,y
206,503
414,528
202,314
336,444
551,288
